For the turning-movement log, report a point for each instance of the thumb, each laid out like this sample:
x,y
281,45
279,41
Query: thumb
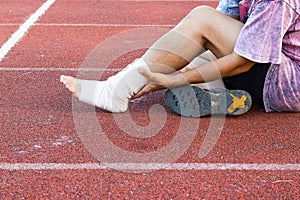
x,y
145,72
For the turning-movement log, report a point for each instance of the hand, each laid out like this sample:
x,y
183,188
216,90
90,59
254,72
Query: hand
x,y
156,81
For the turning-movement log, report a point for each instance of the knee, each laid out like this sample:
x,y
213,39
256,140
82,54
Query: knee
x,y
201,13
198,18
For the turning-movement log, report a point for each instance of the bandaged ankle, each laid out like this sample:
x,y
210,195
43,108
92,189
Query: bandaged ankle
x,y
113,94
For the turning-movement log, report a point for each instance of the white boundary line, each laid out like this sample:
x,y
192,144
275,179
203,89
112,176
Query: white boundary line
x,y
18,35
58,69
149,166
166,0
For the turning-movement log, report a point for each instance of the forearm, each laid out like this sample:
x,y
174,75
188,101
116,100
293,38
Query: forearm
x,y
229,65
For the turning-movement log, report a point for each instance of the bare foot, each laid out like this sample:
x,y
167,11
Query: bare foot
x,y
70,84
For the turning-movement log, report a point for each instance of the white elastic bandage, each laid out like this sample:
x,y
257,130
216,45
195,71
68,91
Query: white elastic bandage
x,y
114,93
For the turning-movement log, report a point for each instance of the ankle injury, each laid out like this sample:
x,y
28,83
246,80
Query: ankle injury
x,y
113,94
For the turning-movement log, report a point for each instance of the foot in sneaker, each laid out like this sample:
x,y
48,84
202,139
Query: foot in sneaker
x,y
191,101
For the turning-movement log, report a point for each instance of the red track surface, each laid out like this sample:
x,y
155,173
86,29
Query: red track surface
x,y
18,11
37,122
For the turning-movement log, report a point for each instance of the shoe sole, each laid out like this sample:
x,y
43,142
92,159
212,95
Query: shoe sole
x,y
192,101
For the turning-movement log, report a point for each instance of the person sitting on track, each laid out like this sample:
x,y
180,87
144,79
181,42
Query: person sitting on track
x,y
258,58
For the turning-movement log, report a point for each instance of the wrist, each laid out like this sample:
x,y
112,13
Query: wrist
x,y
177,80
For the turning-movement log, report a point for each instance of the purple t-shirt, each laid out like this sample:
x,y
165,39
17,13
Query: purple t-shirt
x,y
272,35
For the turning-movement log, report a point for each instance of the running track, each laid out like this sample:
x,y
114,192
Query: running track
x,y
42,155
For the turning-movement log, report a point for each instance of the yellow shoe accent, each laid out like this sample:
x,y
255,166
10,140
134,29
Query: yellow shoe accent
x,y
237,103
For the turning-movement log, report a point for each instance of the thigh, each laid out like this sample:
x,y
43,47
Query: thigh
x,y
212,29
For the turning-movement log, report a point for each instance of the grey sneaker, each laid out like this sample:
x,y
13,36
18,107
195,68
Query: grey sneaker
x,y
192,101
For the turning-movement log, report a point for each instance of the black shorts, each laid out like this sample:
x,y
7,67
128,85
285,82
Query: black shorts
x,y
251,81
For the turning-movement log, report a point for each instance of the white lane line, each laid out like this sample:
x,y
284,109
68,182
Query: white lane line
x,y
18,35
95,25
58,69
149,166
107,25
10,24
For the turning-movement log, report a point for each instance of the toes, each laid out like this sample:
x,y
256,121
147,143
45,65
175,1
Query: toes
x,y
71,89
61,78
69,82
64,79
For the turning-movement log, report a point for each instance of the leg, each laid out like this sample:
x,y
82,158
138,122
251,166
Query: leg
x,y
173,51
201,59
191,37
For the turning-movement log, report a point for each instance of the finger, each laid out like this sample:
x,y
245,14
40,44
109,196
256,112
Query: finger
x,y
140,93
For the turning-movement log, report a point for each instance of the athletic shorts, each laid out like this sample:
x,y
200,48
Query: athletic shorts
x,y
251,81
